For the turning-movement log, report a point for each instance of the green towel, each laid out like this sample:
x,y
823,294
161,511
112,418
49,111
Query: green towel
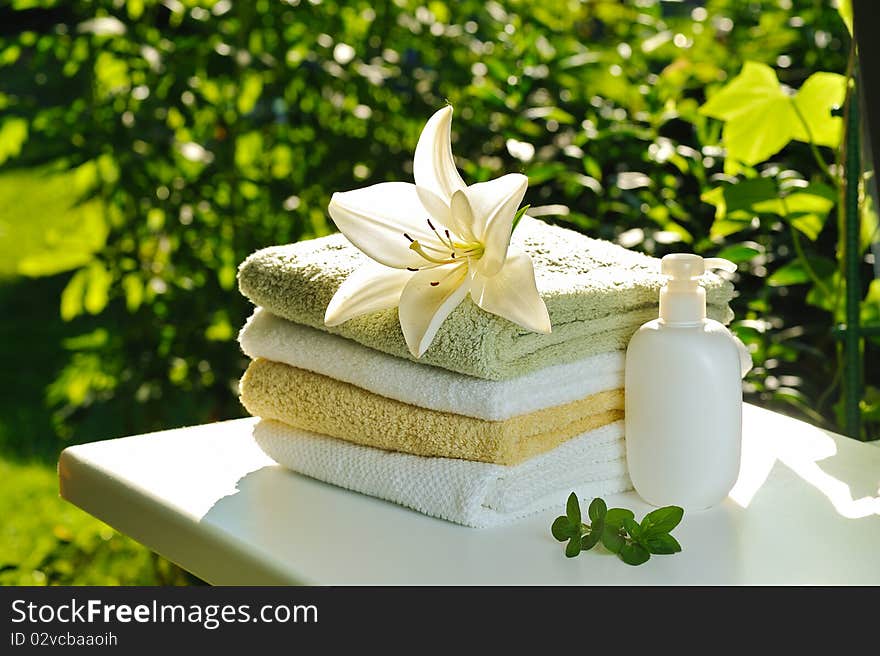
x,y
597,294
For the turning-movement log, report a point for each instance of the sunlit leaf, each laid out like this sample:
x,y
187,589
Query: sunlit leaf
x,y
133,288
870,311
97,291
795,273
738,253
808,208
45,226
251,88
111,74
738,201
72,296
761,118
13,134
248,150
844,7
870,223
818,96
808,224
758,115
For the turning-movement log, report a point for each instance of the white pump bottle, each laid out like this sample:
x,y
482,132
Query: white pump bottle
x,y
684,395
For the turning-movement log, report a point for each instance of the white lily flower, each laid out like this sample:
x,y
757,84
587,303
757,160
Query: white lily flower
x,y
434,242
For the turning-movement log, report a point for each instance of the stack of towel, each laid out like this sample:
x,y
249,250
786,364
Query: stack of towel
x,y
492,422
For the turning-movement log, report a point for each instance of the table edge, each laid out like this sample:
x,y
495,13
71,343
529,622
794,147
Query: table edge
x,y
206,549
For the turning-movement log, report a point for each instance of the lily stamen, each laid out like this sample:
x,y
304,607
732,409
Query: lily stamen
x,y
445,242
418,248
427,247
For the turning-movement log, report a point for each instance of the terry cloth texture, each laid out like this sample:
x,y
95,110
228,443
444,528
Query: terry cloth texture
x,y
270,337
320,404
470,493
597,294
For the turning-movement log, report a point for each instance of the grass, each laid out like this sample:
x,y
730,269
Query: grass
x,y
47,541
43,539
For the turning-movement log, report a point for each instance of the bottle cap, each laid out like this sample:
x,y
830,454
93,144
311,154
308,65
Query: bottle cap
x,y
687,265
682,299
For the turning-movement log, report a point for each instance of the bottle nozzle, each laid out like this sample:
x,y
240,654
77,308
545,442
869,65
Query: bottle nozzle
x,y
683,300
686,266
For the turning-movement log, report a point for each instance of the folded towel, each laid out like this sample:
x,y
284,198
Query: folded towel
x,y
597,294
471,493
270,337
320,404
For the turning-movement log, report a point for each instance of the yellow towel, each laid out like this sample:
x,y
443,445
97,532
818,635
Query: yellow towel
x,y
316,403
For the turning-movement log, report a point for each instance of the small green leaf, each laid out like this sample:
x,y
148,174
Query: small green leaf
x,y
519,215
249,92
662,520
597,509
249,151
870,224
615,517
632,528
812,199
844,8
97,293
612,539
722,228
738,253
634,554
573,548
662,544
810,225
795,273
808,208
743,200
590,540
573,510
13,134
561,528
617,530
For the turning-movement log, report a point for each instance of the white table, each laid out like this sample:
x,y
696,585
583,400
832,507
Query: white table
x,y
804,511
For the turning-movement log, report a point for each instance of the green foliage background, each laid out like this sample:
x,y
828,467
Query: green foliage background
x,y
147,147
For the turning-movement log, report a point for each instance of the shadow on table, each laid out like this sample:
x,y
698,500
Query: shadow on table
x,y
848,484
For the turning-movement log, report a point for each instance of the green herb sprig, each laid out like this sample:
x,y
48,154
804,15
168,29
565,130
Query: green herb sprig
x,y
617,530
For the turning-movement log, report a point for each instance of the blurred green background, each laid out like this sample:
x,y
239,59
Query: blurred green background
x,y
147,147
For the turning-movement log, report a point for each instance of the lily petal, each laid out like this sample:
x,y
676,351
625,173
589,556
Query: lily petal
x,y
436,207
512,293
424,306
494,205
370,288
462,216
433,166
375,219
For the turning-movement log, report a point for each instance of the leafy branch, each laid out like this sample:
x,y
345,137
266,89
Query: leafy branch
x,y
617,530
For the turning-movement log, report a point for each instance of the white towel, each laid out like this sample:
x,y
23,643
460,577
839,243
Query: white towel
x,y
471,493
267,336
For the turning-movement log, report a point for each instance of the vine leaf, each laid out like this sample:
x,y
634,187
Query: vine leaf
x,y
795,273
760,118
806,209
818,96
